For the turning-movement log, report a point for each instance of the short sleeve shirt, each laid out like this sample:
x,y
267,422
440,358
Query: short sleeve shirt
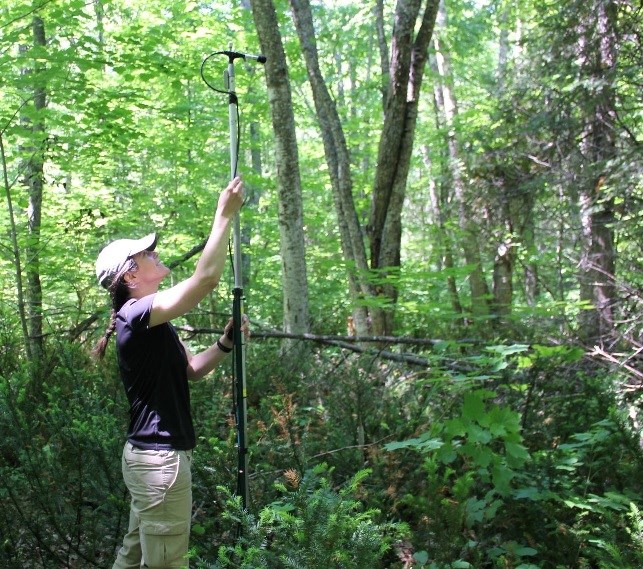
x,y
153,366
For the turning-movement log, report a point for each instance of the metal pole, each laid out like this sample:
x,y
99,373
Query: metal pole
x,y
239,353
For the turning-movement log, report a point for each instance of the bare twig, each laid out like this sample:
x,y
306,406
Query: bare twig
x,y
599,352
33,10
351,447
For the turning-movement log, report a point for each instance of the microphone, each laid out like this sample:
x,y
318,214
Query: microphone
x,y
236,55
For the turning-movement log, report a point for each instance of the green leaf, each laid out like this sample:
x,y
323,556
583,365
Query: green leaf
x,y
421,557
530,493
524,551
482,456
480,435
502,476
475,511
473,407
508,350
198,529
422,443
517,452
567,354
454,428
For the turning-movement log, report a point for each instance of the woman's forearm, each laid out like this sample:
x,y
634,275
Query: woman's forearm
x,y
204,362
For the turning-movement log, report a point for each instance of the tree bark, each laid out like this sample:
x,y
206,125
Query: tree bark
x,y
338,161
15,250
597,51
448,110
385,64
408,56
520,204
295,283
528,237
503,282
409,52
34,181
443,244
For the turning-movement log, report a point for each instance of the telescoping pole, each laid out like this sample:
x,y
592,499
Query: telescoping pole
x,y
239,352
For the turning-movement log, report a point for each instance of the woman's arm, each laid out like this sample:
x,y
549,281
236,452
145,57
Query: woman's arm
x,y
184,296
201,364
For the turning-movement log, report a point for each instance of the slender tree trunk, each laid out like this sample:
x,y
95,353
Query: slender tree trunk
x,y
409,51
521,207
597,51
338,160
443,245
385,63
295,283
407,64
447,104
22,313
99,11
528,237
503,282
253,194
33,180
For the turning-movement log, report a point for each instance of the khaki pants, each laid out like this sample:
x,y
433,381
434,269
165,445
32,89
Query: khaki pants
x,y
160,484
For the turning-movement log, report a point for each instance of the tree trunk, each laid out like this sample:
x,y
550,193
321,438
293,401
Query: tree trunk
x,y
338,160
597,51
503,283
443,245
521,206
528,237
448,110
33,180
15,250
385,64
407,61
295,283
407,64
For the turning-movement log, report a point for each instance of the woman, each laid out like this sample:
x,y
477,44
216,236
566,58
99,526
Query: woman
x,y
155,367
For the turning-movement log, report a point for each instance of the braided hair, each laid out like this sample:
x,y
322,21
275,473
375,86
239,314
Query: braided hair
x,y
119,293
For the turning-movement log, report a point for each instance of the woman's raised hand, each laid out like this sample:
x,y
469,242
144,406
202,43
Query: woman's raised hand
x,y
231,199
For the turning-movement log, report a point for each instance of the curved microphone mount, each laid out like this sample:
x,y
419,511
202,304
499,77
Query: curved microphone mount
x,y
231,55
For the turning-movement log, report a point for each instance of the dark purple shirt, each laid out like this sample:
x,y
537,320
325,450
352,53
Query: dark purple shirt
x,y
153,367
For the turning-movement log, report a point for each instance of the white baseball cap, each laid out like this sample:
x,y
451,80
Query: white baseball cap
x,y
113,257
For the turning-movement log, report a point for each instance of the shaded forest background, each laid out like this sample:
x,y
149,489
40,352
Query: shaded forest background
x,y
442,262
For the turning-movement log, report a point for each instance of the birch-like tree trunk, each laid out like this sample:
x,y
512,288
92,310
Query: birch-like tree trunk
x,y
15,251
293,253
408,55
597,53
444,245
448,109
34,181
338,160
409,52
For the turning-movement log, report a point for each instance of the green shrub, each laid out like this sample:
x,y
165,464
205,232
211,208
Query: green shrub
x,y
64,504
310,526
470,463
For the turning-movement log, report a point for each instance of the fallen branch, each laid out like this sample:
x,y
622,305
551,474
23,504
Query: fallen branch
x,y
610,358
351,447
344,342
331,338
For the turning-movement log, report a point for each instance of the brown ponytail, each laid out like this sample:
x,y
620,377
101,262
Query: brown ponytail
x,y
119,294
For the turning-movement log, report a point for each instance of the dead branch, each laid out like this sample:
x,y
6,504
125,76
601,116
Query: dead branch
x,y
352,343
